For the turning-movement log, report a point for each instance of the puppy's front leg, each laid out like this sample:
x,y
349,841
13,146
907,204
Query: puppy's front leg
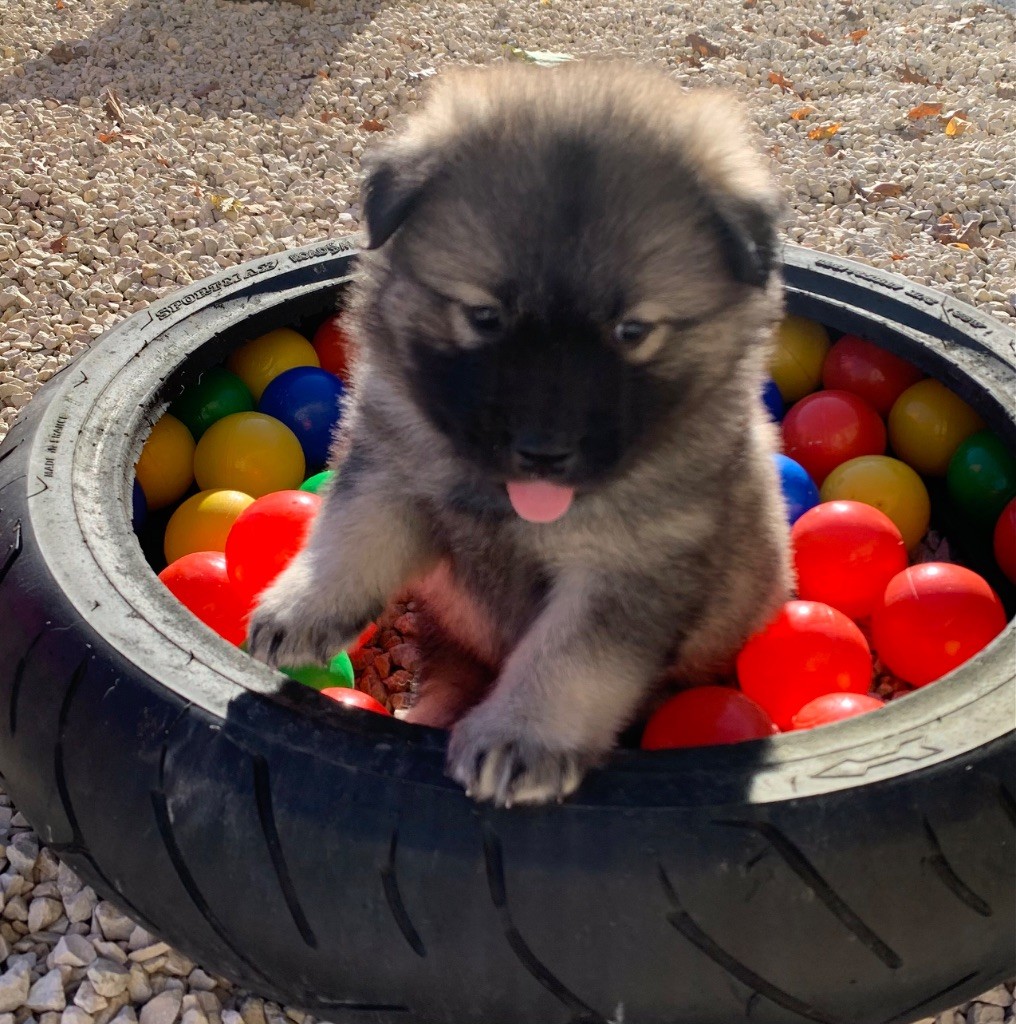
x,y
574,681
365,543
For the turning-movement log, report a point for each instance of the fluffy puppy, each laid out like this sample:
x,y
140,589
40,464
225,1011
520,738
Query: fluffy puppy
x,y
557,433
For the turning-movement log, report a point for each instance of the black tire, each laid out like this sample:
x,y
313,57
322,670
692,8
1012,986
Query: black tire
x,y
860,873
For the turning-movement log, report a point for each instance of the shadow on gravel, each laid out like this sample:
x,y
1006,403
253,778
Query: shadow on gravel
x,y
211,57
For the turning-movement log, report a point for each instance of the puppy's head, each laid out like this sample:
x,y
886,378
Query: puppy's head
x,y
564,259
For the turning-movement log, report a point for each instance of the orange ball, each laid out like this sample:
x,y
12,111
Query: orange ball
x,y
165,469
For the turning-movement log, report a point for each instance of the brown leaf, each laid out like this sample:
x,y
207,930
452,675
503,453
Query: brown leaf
x,y
372,125
327,115
959,245
323,74
59,244
897,256
924,110
60,5
856,37
831,150
825,131
908,74
956,126
880,190
703,47
747,4
801,113
162,160
818,36
111,101
108,136
776,78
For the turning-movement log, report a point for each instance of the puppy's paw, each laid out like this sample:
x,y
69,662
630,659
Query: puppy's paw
x,y
285,630
497,761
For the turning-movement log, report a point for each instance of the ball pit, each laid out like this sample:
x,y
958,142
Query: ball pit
x,y
259,362
800,350
165,468
202,522
927,423
307,400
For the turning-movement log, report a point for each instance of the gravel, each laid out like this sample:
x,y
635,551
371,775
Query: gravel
x,y
146,145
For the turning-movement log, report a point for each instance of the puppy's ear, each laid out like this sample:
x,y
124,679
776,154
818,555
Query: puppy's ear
x,y
747,234
394,183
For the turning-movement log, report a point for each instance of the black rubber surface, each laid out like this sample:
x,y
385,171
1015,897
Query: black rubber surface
x,y
862,873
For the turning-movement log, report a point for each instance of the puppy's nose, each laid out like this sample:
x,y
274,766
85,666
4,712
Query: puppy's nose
x,y
546,457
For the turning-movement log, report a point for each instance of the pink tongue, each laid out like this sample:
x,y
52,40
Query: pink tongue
x,y
538,501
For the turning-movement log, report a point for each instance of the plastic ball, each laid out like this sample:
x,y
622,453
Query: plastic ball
x,y
807,650
927,423
845,554
871,373
216,394
260,361
369,632
773,400
835,707
331,343
139,507
887,484
799,490
266,536
932,618
982,477
356,699
166,467
203,522
1004,541
704,716
796,363
201,583
308,400
249,452
339,672
825,430
316,483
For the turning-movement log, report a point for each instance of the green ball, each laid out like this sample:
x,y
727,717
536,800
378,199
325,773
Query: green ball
x,y
314,483
982,477
217,393
338,673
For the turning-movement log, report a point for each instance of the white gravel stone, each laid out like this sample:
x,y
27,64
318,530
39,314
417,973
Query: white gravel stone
x,y
80,905
108,978
42,913
75,1015
74,951
88,999
14,986
114,924
163,1008
47,993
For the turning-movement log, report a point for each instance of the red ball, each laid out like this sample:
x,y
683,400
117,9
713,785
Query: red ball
x,y
704,716
331,343
201,583
807,650
834,707
369,632
869,372
1005,541
845,553
932,618
266,536
828,428
355,699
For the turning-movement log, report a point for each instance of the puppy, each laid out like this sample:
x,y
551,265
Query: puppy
x,y
557,432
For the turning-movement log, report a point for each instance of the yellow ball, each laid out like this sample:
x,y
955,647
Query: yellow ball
x,y
251,453
890,486
796,363
927,423
260,361
166,467
202,522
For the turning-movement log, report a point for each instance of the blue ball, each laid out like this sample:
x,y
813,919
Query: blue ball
x,y
308,400
799,490
139,507
773,400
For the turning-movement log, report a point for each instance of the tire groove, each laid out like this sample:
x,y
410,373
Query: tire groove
x,y
908,1014
390,885
10,451
12,552
494,858
1006,801
946,874
796,860
270,831
682,922
58,750
16,680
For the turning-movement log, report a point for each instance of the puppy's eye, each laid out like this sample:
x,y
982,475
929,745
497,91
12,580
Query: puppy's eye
x,y
485,319
631,332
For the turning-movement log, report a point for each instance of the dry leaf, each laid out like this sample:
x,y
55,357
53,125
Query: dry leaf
x,y
59,244
108,136
956,126
818,36
897,256
111,102
776,78
856,37
703,47
162,160
924,110
908,74
960,245
749,3
372,125
327,115
879,191
323,74
825,131
801,113
831,150
60,5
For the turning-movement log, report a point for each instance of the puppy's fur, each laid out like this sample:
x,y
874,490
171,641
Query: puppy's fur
x,y
559,205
